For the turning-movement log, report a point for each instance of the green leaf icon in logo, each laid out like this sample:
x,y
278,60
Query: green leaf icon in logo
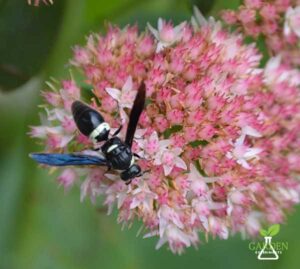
x,y
263,232
273,230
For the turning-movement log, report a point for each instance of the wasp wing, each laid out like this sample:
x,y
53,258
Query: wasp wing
x,y
55,159
135,114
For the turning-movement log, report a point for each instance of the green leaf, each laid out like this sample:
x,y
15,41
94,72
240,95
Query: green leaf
x,y
173,129
273,230
263,232
261,44
200,169
197,143
87,92
99,10
221,5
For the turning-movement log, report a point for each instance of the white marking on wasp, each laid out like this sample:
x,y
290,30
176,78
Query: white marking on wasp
x,y
132,161
111,148
98,130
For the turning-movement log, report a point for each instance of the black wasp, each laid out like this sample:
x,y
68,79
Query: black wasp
x,y
117,154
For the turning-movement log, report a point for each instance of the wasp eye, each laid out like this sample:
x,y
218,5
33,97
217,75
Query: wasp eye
x,y
132,172
86,118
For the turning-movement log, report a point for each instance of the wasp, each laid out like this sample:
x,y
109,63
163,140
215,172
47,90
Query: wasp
x,y
115,153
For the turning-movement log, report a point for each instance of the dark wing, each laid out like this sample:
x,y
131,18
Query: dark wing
x,y
55,159
135,114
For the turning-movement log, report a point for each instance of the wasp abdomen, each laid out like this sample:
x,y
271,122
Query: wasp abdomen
x,y
89,121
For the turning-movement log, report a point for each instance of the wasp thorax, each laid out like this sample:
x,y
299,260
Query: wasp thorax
x,y
90,122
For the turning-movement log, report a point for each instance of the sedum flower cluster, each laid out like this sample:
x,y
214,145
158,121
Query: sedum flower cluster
x,y
277,22
219,136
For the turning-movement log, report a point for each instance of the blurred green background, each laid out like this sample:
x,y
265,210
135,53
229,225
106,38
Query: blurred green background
x,y
41,226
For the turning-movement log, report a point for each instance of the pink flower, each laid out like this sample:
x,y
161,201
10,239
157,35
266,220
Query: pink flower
x,y
253,3
229,16
67,178
168,157
115,193
198,183
81,56
280,38
246,15
243,153
92,184
175,116
41,131
171,231
124,97
151,145
56,140
218,227
198,20
142,197
292,21
166,34
52,98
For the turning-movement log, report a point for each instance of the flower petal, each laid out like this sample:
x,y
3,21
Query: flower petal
x,y
128,85
114,93
167,169
248,130
153,30
180,163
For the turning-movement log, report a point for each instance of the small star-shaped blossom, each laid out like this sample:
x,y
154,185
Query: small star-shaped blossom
x,y
292,21
166,34
171,230
42,131
198,20
117,192
67,178
166,216
168,157
124,97
91,186
218,227
175,237
142,196
274,73
253,223
243,153
198,183
150,145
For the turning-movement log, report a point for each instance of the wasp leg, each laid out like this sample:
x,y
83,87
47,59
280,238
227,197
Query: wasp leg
x,y
108,167
144,172
138,156
128,182
118,131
